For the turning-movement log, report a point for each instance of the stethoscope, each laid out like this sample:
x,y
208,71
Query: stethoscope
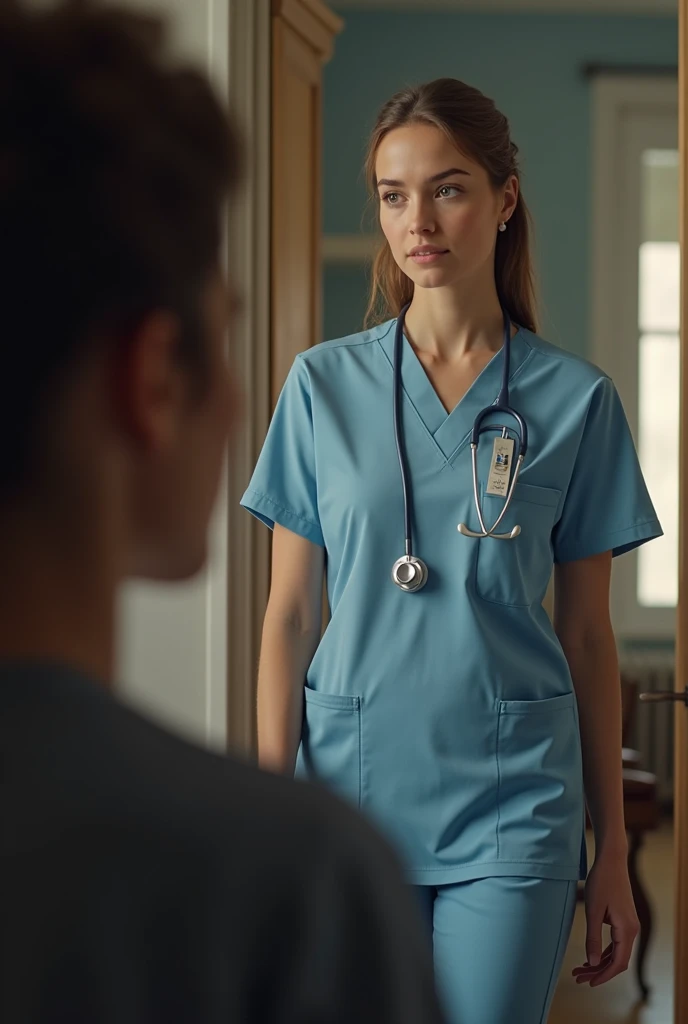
x,y
409,572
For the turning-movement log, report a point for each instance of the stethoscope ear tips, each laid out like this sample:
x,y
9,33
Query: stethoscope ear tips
x,y
410,573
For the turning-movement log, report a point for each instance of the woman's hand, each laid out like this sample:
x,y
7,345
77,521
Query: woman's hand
x,y
608,900
583,625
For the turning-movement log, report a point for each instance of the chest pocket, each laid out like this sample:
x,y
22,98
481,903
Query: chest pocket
x,y
517,572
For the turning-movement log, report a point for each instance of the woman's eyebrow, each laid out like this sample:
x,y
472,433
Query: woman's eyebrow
x,y
395,183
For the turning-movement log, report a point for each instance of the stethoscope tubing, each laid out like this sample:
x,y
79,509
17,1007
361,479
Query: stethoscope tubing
x,y
502,405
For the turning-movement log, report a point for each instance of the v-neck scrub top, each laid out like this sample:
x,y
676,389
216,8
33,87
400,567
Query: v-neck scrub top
x,y
449,715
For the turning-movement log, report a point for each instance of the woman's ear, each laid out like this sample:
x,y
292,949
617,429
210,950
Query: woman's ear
x,y
510,198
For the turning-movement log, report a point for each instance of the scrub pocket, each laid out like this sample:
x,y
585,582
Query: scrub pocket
x,y
330,748
517,572
540,781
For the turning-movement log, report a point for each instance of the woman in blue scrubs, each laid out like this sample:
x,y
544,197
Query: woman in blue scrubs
x,y
468,726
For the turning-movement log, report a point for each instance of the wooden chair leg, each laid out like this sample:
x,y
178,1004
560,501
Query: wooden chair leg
x,y
643,910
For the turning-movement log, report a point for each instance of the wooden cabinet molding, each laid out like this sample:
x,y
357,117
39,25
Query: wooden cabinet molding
x,y
302,41
312,20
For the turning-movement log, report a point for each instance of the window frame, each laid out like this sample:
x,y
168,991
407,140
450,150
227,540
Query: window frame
x,y
626,110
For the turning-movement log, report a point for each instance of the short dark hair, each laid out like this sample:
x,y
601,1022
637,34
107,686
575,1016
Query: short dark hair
x,y
115,163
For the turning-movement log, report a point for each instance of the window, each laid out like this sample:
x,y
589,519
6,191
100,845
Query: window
x,y
658,370
636,262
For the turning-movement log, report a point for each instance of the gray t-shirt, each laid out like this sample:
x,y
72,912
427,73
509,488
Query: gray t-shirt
x,y
146,880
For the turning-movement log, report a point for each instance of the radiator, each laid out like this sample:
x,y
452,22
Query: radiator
x,y
652,731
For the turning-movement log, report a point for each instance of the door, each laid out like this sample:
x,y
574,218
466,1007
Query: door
x,y
681,696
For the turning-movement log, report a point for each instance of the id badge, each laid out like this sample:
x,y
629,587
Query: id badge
x,y
500,467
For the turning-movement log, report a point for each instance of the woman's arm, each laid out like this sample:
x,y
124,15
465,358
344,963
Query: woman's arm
x,y
582,623
291,633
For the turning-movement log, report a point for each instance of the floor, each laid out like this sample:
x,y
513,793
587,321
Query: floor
x,y
617,1002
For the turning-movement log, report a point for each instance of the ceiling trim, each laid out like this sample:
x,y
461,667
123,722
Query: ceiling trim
x,y
668,8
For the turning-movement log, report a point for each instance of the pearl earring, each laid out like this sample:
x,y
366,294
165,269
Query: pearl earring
x,y
502,226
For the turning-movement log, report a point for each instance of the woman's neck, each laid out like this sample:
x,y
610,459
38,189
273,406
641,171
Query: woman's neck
x,y
449,323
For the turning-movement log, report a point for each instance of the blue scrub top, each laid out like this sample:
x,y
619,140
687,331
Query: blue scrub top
x,y
448,715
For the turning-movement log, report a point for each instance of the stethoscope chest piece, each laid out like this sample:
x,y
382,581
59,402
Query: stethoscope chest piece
x,y
410,573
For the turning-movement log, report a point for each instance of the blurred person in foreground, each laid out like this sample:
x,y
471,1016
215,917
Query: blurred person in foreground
x,y
143,879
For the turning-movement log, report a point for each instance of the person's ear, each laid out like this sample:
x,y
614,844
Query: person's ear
x,y
509,199
151,385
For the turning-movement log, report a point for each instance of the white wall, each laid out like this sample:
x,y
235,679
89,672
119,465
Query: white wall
x,y
173,647
173,653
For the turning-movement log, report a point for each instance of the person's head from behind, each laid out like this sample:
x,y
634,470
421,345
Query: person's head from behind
x,y
117,400
443,171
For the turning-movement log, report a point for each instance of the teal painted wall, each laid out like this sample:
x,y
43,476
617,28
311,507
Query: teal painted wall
x,y
531,65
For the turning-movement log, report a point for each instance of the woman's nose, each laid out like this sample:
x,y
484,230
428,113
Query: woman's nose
x,y
422,220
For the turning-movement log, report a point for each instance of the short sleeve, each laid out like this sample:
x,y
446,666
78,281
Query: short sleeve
x,y
283,487
607,506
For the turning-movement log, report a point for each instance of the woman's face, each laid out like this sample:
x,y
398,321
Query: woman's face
x,y
438,209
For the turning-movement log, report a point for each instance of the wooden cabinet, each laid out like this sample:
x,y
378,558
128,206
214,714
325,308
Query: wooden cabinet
x,y
303,33
277,52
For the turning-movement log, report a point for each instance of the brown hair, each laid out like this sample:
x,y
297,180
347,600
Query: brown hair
x,y
475,126
115,164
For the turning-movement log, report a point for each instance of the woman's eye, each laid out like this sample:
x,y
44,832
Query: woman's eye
x,y
391,198
448,191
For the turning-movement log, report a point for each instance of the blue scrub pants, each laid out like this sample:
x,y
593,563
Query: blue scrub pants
x,y
499,943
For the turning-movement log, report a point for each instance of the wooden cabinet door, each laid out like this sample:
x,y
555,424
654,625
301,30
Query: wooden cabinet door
x,y
302,40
